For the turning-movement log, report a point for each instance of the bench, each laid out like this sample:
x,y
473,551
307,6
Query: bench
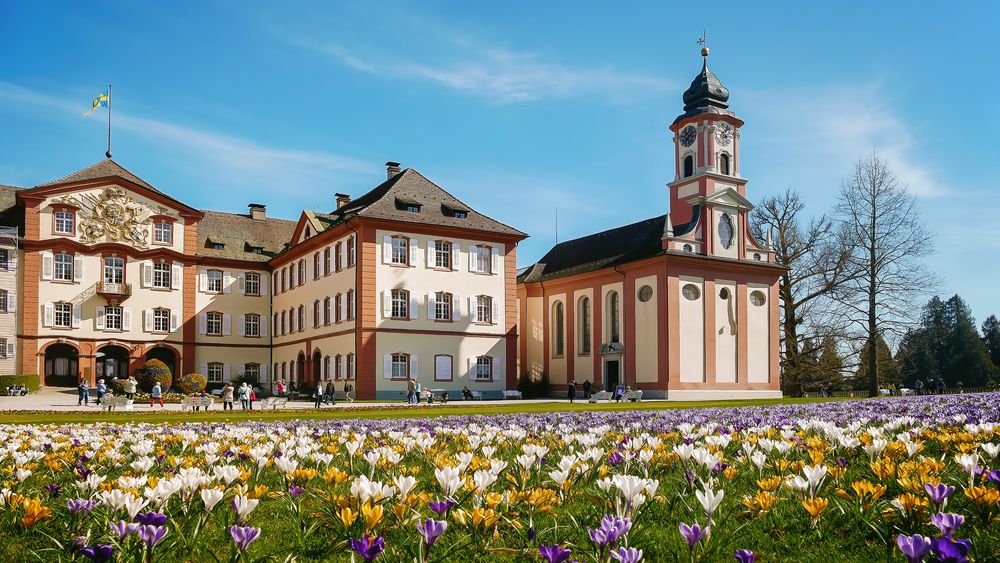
x,y
634,396
601,396
195,402
110,402
477,395
12,392
273,403
512,394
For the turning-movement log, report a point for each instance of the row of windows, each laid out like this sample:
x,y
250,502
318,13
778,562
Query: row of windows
x,y
692,292
399,250
725,166
341,366
218,372
334,309
398,304
583,318
403,366
214,323
218,281
64,223
332,259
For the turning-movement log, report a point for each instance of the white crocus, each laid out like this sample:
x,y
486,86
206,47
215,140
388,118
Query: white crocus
x,y
211,497
450,480
405,484
243,506
710,501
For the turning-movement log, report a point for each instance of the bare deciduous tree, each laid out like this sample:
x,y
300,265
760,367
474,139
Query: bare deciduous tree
x,y
887,240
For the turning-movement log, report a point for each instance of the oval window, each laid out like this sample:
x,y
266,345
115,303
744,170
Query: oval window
x,y
691,292
757,257
726,230
688,248
758,298
724,293
645,293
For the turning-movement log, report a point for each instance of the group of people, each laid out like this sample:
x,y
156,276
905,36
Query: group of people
x,y
571,389
325,394
104,392
932,387
246,395
17,390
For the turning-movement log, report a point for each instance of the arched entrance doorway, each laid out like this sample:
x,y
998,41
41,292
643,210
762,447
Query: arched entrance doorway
x,y
317,366
62,366
165,355
300,370
111,362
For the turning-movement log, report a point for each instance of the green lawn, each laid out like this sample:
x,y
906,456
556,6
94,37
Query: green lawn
x,y
389,411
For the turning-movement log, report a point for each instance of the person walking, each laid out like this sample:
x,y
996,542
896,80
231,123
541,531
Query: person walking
x,y
83,393
251,395
410,389
417,390
244,395
156,395
347,392
571,391
227,397
318,395
918,387
101,390
130,385
586,389
328,392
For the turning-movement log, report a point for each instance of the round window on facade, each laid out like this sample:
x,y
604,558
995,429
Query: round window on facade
x,y
758,298
724,293
756,256
645,293
691,292
688,248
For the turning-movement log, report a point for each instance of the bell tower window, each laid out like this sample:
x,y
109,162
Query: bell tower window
x,y
724,164
688,165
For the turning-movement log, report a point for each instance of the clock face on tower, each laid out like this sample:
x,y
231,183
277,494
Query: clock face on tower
x,y
724,133
688,135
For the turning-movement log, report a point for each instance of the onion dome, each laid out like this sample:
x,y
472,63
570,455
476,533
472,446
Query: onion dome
x,y
706,94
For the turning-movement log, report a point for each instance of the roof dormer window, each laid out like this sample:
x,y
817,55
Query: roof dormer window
x,y
407,204
218,246
412,208
461,215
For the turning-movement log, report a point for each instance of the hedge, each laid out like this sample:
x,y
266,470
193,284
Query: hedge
x,y
191,383
28,380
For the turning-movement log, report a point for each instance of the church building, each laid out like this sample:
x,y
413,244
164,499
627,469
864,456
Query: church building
x,y
683,305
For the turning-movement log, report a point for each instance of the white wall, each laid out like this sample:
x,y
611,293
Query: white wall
x,y
726,322
692,332
759,336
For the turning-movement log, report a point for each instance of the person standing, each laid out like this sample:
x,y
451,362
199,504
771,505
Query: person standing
x,y
281,388
940,386
244,395
318,394
251,395
101,390
571,390
130,385
417,390
156,395
227,397
83,393
328,392
586,389
410,388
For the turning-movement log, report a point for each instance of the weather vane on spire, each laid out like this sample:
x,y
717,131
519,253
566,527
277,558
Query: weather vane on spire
x,y
704,43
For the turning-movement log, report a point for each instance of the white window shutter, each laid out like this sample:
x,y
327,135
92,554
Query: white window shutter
x,y
473,311
263,325
495,311
77,314
227,324
456,307
472,258
202,323
497,369
386,304
11,301
456,255
47,265
343,255
204,370
495,254
176,275
227,372
241,369
227,282
263,373
431,305
78,268
469,364
48,314
413,252
147,273
387,366
431,255
147,320
386,249
414,307
202,281
10,347
241,283
328,259
342,307
99,318
241,325
263,283
414,366
126,319
174,321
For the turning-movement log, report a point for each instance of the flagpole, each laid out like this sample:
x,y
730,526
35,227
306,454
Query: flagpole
x,y
108,154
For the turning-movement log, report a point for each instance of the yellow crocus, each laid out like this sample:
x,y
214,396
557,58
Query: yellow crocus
x,y
373,515
815,506
34,512
347,516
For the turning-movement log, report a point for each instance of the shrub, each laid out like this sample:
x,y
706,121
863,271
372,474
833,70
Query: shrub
x,y
153,371
190,384
533,389
28,380
117,386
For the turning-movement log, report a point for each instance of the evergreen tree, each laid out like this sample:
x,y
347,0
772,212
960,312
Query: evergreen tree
x,y
968,360
822,366
916,360
888,368
991,338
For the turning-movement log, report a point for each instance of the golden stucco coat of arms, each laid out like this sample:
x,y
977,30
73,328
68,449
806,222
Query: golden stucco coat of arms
x,y
115,217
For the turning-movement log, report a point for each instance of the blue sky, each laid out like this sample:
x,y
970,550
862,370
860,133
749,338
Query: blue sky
x,y
516,107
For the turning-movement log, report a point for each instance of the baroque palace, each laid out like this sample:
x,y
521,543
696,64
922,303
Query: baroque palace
x,y
101,271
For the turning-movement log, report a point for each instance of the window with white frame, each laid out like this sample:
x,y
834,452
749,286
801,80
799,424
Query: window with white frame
x,y
213,324
484,259
317,316
336,256
3,300
214,374
64,221
327,257
338,312
114,269
63,267
3,348
284,279
161,320
442,254
161,275
284,322
400,304
251,283
317,267
443,306
327,315
350,251
350,304
400,251
163,232
63,315
302,271
252,371
400,365
214,281
301,317
251,325
112,317
291,276
484,368
4,259
338,367
350,366
484,309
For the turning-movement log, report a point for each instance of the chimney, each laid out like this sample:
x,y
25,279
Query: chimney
x,y
257,211
342,199
391,169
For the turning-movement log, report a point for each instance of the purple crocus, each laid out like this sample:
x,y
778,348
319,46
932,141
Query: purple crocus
x,y
295,491
368,547
947,522
612,528
441,506
151,519
531,534
615,458
54,490
914,547
78,505
99,553
243,536
627,555
692,534
939,493
431,530
744,556
950,550
992,475
151,535
124,529
554,553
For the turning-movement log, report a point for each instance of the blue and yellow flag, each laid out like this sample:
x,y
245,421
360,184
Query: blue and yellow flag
x,y
101,100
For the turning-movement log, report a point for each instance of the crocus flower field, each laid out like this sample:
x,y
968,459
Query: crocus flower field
x,y
901,479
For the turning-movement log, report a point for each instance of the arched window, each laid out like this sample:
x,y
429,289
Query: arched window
x,y
613,317
724,164
559,330
726,230
688,165
584,315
